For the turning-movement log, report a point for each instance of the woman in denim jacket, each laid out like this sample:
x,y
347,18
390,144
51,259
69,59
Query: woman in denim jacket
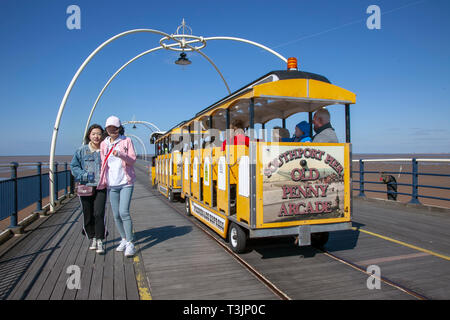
x,y
86,168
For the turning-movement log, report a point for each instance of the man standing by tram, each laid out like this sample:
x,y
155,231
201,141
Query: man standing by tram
x,y
322,126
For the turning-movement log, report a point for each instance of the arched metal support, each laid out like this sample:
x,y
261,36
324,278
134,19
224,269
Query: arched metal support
x,y
66,96
149,125
249,42
215,67
182,45
134,59
141,142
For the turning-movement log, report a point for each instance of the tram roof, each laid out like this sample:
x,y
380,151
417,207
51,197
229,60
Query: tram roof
x,y
279,94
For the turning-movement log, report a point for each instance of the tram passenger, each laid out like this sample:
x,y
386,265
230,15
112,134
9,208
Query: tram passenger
x,y
301,134
237,134
118,176
322,126
279,133
85,167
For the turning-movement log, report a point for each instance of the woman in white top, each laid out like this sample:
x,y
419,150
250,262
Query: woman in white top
x,y
119,177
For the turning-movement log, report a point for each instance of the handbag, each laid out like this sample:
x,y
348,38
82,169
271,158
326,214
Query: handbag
x,y
85,191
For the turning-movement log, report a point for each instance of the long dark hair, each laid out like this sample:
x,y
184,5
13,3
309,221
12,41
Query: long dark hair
x,y
94,126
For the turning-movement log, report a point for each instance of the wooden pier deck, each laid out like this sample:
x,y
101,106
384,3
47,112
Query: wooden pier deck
x,y
177,260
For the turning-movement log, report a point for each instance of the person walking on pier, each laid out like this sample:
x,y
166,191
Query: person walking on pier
x,y
117,153
86,168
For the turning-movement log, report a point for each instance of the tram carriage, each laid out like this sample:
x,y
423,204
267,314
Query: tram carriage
x,y
265,189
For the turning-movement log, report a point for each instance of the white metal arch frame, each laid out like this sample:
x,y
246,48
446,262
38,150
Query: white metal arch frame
x,y
134,59
183,46
149,125
141,142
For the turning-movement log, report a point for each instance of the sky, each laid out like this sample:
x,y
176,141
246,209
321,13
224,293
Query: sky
x,y
399,73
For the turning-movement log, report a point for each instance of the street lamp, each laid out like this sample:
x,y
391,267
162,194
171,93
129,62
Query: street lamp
x,y
182,60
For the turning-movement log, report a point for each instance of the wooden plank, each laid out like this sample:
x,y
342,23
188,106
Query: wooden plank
x,y
95,290
36,275
56,263
61,283
120,292
86,275
20,260
70,294
130,280
108,269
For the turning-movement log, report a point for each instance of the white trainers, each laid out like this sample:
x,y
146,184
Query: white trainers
x,y
130,250
122,245
100,246
93,244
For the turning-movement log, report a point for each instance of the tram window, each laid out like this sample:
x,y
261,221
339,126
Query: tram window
x,y
177,142
170,144
279,133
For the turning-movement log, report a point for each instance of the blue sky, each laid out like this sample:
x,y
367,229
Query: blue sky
x,y
399,73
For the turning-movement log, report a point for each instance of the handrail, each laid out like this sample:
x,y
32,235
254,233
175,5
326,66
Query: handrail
x,y
415,173
21,192
26,164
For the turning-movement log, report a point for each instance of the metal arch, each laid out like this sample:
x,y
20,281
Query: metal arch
x,y
210,61
142,143
146,123
182,43
249,42
66,96
134,59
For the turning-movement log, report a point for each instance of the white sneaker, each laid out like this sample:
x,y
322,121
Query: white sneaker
x,y
130,250
100,246
93,244
122,245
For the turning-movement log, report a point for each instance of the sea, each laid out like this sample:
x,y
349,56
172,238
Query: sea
x,y
27,165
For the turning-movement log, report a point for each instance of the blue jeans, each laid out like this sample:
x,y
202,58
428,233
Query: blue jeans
x,y
120,199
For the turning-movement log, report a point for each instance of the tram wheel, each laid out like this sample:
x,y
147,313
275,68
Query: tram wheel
x,y
319,239
187,207
171,196
237,238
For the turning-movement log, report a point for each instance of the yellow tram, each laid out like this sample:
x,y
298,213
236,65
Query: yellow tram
x,y
260,188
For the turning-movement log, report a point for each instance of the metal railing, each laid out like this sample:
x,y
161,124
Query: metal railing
x,y
415,173
17,193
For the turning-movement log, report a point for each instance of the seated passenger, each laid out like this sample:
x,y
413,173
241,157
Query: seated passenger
x,y
237,134
302,133
279,133
322,127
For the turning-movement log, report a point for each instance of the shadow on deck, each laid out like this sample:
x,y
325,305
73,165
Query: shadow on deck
x,y
35,265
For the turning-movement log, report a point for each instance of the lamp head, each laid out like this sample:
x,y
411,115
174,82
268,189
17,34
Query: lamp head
x,y
182,60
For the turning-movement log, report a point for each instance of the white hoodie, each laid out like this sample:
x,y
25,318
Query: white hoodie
x,y
116,174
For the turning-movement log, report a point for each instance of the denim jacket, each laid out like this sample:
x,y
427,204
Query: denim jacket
x,y
83,162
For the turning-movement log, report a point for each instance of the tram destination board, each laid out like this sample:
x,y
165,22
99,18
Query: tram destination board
x,y
303,183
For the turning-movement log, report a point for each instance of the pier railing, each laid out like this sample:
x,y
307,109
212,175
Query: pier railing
x,y
17,193
415,173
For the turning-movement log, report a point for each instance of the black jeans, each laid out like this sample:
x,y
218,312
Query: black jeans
x,y
94,214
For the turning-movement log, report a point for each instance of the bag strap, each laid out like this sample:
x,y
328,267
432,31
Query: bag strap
x,y
107,156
